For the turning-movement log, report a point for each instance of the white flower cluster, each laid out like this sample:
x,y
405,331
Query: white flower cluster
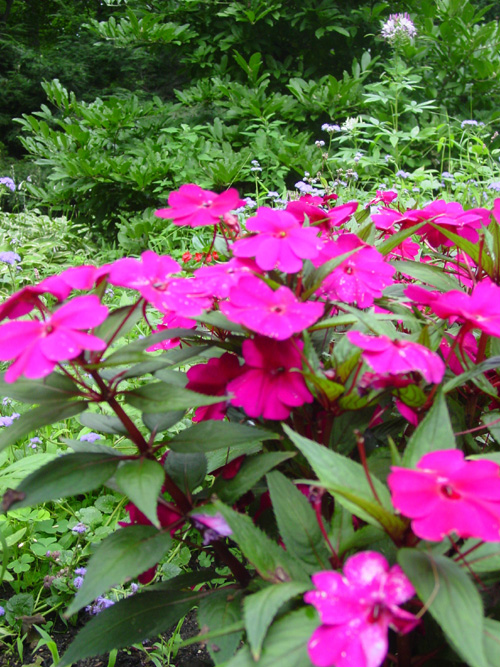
x,y
398,28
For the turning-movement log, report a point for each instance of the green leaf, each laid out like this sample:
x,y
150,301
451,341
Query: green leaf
x,y
396,239
472,249
124,554
272,562
220,321
141,480
260,609
122,320
42,416
285,644
297,523
162,421
68,475
136,351
491,637
163,397
453,600
186,470
214,434
315,278
346,481
426,273
483,367
489,419
54,387
412,395
252,469
486,558
129,621
186,580
218,610
433,433
103,423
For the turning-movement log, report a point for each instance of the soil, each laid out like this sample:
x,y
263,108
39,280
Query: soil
x,y
195,655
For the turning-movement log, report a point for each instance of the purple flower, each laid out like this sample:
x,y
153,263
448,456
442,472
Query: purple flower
x,y
90,437
77,582
494,186
471,123
403,174
99,605
213,526
81,571
398,28
9,257
2,611
6,421
80,528
8,182
134,588
326,127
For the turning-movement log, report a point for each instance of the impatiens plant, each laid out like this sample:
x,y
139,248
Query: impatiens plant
x,y
316,415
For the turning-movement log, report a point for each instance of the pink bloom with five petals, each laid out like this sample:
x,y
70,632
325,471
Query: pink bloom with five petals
x,y
38,346
212,379
281,242
192,206
398,356
276,314
271,382
448,494
480,310
356,611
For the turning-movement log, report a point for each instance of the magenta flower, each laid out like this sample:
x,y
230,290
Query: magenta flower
x,y
357,610
360,278
218,279
38,346
212,526
212,379
271,382
171,321
398,356
194,207
276,314
152,278
480,310
384,196
448,494
282,243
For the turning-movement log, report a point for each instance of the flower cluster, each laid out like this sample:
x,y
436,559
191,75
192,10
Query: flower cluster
x,y
398,28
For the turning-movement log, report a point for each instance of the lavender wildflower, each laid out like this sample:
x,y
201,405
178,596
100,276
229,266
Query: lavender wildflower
x,y
6,421
8,182
80,528
470,123
213,527
403,174
9,257
81,571
90,437
99,605
2,611
446,174
326,127
319,143
399,28
77,582
494,186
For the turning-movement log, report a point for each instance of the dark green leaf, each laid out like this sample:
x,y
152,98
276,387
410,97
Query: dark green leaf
x,y
214,434
483,367
186,580
103,423
162,421
297,523
141,480
42,416
491,632
427,274
272,562
122,320
136,351
123,554
54,387
252,469
186,470
396,239
221,457
163,397
220,321
67,475
433,433
128,621
94,447
478,256
261,608
453,601
285,644
216,611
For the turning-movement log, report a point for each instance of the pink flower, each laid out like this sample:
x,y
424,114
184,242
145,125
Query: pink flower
x,y
152,278
468,346
212,379
218,279
194,207
171,321
37,346
385,218
398,356
282,243
338,216
360,278
384,196
213,526
271,381
480,310
448,494
357,610
276,314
